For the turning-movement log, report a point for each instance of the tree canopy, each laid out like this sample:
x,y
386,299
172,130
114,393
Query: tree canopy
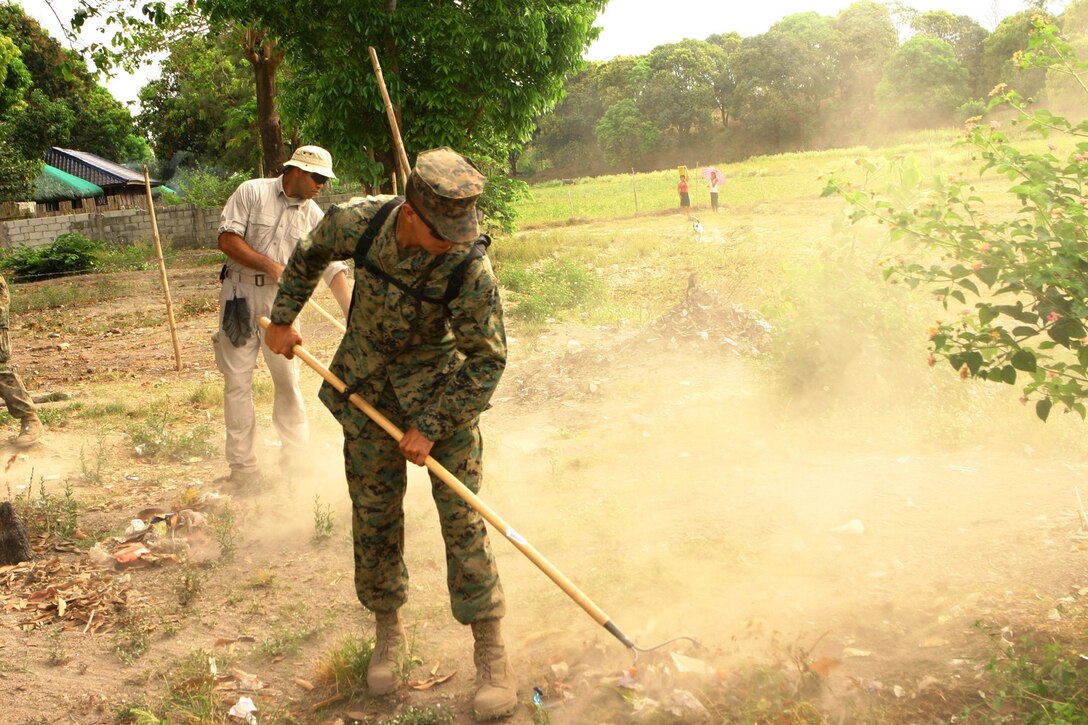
x,y
474,75
48,98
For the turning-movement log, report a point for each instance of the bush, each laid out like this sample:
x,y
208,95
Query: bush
x,y
70,253
1024,274
561,285
202,188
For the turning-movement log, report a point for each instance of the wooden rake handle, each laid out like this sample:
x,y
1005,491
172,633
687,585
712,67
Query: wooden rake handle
x,y
472,499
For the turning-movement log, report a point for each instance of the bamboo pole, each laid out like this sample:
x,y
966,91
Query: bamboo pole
x,y
402,157
162,271
325,313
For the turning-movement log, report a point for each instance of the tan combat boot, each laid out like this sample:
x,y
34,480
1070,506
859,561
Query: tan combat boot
x,y
29,433
383,672
497,687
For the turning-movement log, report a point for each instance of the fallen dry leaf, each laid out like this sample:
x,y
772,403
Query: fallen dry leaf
x,y
11,462
304,684
430,681
824,666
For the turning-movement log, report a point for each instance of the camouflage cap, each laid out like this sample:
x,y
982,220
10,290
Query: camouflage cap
x,y
443,189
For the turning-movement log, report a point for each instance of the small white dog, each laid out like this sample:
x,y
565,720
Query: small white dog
x,y
697,228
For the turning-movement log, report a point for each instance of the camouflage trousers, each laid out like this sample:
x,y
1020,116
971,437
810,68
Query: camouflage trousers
x,y
12,391
377,480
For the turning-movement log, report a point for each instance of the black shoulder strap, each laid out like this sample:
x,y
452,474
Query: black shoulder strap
x,y
457,277
373,228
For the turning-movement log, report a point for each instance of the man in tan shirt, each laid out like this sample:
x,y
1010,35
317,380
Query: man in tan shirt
x,y
258,230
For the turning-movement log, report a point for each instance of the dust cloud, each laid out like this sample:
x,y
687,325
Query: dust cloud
x,y
690,498
872,520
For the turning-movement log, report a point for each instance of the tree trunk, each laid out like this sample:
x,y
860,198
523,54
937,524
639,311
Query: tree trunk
x,y
261,52
14,543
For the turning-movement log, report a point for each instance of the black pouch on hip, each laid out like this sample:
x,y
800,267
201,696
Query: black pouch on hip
x,y
236,321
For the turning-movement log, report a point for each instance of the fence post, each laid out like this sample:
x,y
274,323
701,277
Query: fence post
x,y
634,188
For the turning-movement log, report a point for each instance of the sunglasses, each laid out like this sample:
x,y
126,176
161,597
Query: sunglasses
x,y
318,178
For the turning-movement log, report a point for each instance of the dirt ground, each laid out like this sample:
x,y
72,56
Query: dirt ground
x,y
653,469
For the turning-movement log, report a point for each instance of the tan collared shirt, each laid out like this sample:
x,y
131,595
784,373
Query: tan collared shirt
x,y
261,213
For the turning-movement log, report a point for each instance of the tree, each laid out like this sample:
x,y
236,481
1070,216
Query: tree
x,y
865,39
817,68
769,100
679,93
966,37
65,105
473,75
566,136
1025,273
1003,47
14,77
625,135
725,76
923,84
203,105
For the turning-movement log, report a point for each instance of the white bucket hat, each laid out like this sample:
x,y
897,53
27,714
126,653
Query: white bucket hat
x,y
312,158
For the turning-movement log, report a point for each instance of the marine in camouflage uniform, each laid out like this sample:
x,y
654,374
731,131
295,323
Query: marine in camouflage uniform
x,y
12,391
431,369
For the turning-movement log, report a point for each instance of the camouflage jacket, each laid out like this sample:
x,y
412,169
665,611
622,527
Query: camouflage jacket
x,y
443,362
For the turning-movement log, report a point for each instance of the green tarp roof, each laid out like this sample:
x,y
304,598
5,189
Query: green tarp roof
x,y
56,185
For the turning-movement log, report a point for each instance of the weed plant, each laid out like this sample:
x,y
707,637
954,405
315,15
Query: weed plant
x,y
57,654
188,588
191,698
226,535
343,670
323,523
558,286
156,436
412,715
132,638
1039,681
207,395
53,295
92,474
111,411
289,631
46,514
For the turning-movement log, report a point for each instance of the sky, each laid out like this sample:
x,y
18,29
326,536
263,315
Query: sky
x,y
629,27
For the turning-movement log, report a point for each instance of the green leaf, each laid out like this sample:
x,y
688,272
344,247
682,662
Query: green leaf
x,y
1008,374
1042,409
1024,360
1021,331
968,284
988,275
987,314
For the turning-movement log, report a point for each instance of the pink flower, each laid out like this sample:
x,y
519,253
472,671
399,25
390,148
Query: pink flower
x,y
1053,317
976,266
984,247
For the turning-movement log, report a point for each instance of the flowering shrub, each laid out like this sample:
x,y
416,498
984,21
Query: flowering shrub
x,y
1025,275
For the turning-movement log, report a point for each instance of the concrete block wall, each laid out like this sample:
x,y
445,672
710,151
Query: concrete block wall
x,y
182,226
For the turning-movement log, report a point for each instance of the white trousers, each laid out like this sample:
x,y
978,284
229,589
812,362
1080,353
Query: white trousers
x,y
237,364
